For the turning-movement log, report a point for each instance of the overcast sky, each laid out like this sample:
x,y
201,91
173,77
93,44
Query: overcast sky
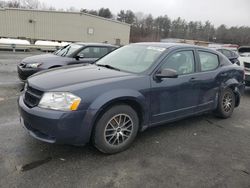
x,y
229,12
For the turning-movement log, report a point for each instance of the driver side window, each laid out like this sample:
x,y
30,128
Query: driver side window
x,y
93,52
182,62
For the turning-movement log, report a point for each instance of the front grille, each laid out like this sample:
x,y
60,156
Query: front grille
x,y
32,97
247,65
21,75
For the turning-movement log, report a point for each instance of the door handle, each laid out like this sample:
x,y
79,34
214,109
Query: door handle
x,y
193,79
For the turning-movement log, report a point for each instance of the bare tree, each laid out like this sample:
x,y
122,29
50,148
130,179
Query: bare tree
x,y
31,4
13,4
147,28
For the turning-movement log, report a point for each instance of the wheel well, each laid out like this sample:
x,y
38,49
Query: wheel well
x,y
236,95
130,102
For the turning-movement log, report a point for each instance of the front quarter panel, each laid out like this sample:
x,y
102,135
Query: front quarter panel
x,y
118,94
98,97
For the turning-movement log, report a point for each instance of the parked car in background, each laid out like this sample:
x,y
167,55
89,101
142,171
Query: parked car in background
x,y
231,55
75,53
244,52
133,88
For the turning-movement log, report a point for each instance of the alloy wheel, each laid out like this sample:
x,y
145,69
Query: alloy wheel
x,y
118,129
227,102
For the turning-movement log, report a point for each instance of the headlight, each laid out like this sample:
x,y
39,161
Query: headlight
x,y
64,101
33,65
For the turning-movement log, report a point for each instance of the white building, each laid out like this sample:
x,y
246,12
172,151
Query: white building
x,y
61,26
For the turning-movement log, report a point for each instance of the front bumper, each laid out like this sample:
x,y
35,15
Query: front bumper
x,y
24,73
54,126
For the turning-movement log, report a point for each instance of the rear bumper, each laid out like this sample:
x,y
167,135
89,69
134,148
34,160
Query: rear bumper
x,y
54,126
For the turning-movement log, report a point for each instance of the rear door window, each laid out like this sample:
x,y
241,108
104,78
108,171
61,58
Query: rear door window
x,y
208,61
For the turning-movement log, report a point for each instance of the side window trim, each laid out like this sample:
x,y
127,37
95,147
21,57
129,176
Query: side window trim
x,y
199,61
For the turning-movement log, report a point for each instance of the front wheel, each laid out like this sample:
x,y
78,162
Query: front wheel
x,y
226,103
116,129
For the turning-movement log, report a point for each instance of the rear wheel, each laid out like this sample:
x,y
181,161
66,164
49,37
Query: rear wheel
x,y
116,129
226,103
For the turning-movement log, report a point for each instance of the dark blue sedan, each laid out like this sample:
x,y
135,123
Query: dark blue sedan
x,y
75,53
133,88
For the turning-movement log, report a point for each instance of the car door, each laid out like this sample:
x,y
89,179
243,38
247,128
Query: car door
x,y
207,80
172,98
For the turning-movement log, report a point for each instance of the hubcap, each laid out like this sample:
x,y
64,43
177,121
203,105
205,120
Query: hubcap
x,y
227,102
118,129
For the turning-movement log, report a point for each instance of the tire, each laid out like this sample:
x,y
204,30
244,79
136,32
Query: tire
x,y
226,104
111,135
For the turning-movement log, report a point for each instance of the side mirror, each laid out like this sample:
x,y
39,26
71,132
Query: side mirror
x,y
166,73
79,56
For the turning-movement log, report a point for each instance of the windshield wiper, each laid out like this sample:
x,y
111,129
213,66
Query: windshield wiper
x,y
108,66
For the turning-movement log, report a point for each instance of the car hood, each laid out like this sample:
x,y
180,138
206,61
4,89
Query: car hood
x,y
44,58
71,75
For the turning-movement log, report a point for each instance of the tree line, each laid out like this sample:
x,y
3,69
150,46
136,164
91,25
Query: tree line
x,y
147,28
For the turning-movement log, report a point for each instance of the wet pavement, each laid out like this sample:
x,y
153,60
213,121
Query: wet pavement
x,y
8,63
201,151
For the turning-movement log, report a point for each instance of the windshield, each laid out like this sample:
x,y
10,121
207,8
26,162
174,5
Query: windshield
x,y
68,50
132,58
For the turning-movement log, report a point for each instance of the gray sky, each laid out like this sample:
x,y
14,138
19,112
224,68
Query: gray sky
x,y
229,12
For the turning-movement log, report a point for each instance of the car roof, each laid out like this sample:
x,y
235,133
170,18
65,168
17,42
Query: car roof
x,y
174,45
223,49
94,44
167,45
